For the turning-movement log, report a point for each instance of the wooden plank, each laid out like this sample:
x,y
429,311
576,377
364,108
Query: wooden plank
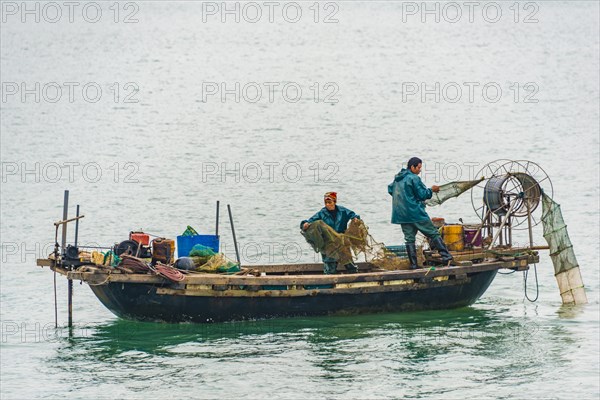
x,y
457,257
125,278
311,292
228,280
45,262
282,268
464,263
478,256
240,280
357,284
60,270
483,253
296,268
401,282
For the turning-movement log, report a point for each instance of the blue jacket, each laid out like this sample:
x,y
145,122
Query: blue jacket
x,y
408,196
342,218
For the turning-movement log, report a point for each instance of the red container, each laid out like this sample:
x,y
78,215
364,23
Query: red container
x,y
140,237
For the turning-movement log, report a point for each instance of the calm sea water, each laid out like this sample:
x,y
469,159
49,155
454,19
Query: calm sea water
x,y
141,123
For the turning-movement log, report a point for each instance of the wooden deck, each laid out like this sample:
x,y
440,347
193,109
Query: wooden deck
x,y
295,279
289,290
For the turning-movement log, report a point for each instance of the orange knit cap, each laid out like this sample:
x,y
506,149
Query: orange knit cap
x,y
332,196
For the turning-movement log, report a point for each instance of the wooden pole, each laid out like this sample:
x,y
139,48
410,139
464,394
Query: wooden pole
x,y
217,221
237,253
480,230
63,250
55,261
70,281
64,226
76,225
529,227
508,213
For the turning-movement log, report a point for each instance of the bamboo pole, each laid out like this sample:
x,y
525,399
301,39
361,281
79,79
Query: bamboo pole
x,y
237,253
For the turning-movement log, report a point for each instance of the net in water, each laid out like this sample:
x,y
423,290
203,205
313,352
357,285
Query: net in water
x,y
555,233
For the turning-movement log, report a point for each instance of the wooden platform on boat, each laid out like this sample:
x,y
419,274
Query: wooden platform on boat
x,y
290,290
295,279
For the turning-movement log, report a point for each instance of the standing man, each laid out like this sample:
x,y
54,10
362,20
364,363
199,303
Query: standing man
x,y
408,209
336,217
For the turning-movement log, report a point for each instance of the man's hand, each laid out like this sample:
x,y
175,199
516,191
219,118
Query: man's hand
x,y
435,188
305,226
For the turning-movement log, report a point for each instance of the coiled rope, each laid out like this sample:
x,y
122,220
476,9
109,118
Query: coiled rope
x,y
169,272
136,265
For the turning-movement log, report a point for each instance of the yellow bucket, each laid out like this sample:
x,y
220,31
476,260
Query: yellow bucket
x,y
453,236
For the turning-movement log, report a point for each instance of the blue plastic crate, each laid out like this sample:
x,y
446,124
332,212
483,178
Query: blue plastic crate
x,y
185,243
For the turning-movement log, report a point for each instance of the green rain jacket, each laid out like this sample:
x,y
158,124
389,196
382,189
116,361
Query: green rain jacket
x,y
340,224
408,196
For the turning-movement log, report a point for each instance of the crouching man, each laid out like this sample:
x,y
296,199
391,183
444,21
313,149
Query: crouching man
x,y
337,217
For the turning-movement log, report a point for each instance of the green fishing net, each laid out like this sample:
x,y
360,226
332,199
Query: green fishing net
x,y
218,264
347,247
189,231
450,190
201,251
111,258
555,233
325,240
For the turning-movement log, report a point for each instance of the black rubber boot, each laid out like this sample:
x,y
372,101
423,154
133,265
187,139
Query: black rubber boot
x,y
351,268
411,249
330,267
440,246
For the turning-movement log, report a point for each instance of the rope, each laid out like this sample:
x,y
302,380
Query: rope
x,y
537,287
507,273
172,274
101,283
137,265
134,264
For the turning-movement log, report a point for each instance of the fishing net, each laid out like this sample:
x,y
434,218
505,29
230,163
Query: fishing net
x,y
218,264
450,190
108,259
347,247
189,231
555,233
325,240
201,251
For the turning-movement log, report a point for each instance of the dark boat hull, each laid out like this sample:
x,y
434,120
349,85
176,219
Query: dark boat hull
x,y
140,301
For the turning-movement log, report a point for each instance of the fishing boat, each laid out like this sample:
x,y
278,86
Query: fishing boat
x,y
289,290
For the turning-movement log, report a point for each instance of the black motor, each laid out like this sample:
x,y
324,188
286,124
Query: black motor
x,y
132,248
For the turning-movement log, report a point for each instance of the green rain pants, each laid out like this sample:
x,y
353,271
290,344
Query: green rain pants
x,y
425,227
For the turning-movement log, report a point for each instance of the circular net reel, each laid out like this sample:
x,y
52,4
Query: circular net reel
x,y
517,192
514,186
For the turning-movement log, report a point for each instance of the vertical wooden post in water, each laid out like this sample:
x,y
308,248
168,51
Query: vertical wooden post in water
x,y
237,253
64,243
70,281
